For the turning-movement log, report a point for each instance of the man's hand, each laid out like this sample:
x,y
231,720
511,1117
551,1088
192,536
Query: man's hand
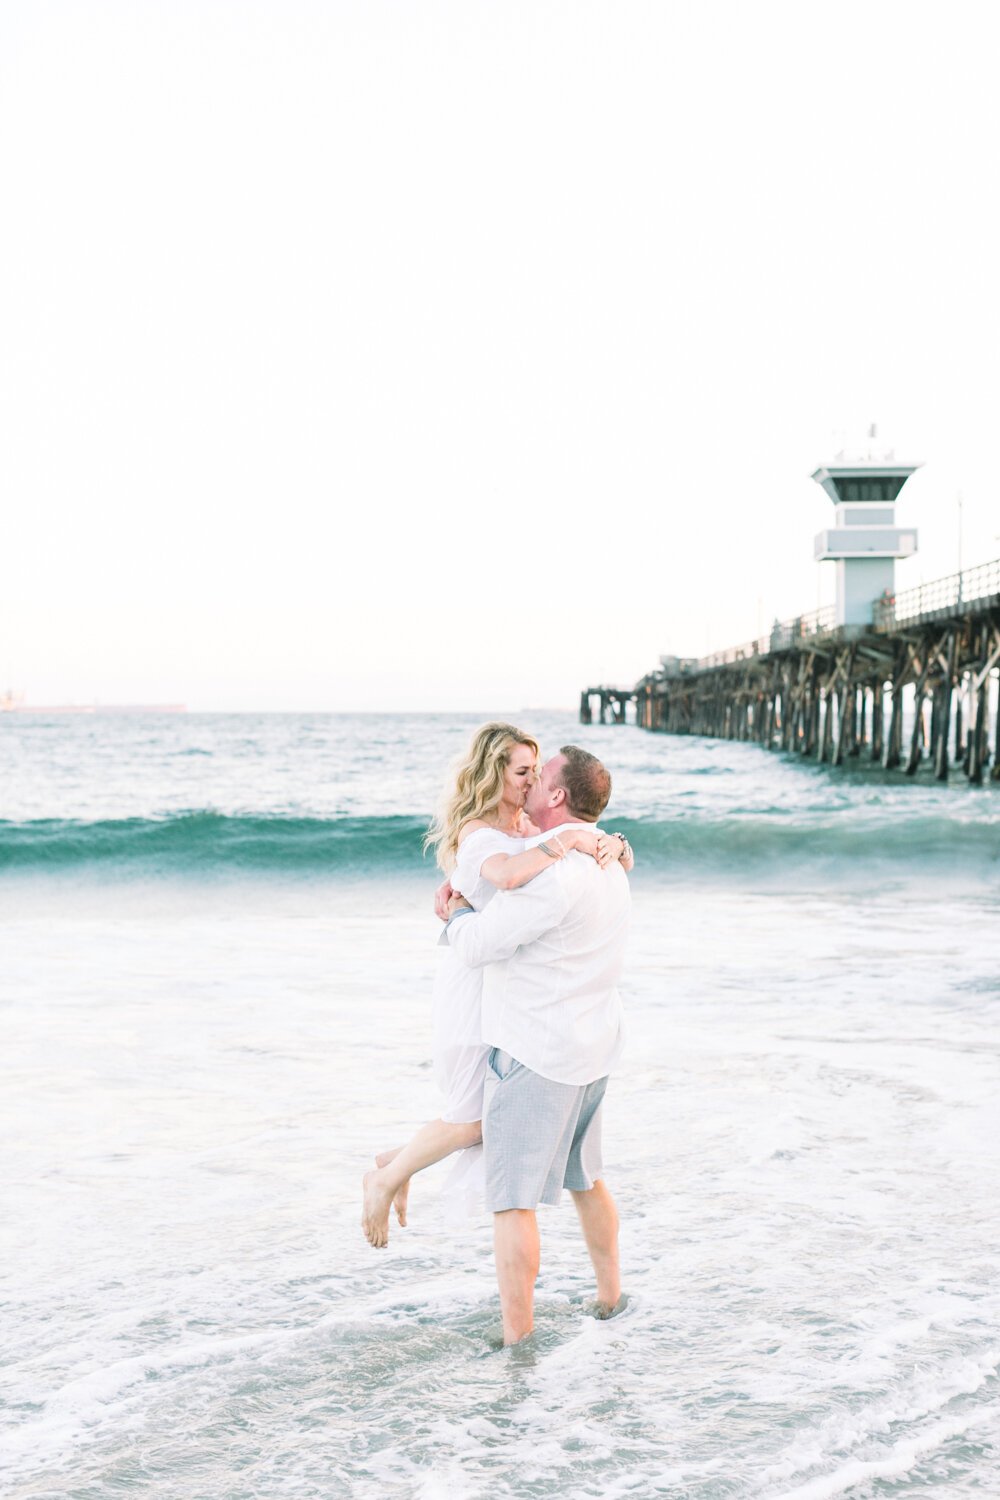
x,y
457,902
442,896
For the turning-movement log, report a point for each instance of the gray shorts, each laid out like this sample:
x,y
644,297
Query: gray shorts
x,y
538,1136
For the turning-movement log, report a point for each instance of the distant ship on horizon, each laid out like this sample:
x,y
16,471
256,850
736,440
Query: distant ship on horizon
x,y
16,703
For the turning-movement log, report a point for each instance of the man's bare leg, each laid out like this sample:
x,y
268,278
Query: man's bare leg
x,y
518,1253
599,1222
432,1142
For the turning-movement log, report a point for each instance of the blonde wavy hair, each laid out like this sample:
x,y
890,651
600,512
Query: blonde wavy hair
x,y
476,787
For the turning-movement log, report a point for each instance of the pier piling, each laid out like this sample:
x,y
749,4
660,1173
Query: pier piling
x,y
811,687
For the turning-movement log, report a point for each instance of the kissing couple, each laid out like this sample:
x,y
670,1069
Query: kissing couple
x,y
528,1021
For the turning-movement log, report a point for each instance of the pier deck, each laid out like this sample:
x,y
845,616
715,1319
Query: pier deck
x,y
837,693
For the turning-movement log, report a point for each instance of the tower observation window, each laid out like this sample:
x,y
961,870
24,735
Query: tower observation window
x,y
882,489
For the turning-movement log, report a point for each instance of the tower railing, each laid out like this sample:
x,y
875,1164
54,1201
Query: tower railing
x,y
943,595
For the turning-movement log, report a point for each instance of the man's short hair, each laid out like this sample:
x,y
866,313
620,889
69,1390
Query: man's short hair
x,y
586,781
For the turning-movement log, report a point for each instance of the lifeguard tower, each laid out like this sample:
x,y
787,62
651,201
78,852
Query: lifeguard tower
x,y
864,541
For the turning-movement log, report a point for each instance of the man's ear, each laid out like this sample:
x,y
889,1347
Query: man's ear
x,y
558,796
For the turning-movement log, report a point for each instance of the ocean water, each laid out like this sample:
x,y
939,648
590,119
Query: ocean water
x,y
217,957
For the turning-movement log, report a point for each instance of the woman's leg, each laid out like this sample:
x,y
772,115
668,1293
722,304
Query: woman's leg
x,y
402,1193
430,1144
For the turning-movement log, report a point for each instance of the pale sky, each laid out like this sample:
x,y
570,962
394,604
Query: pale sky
x,y
427,355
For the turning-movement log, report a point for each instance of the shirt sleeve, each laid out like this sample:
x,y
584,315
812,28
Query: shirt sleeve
x,y
512,919
474,851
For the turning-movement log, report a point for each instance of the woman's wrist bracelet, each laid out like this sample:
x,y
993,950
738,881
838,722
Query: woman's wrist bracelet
x,y
552,853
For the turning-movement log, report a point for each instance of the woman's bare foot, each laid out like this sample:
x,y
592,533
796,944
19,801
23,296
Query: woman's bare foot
x,y
375,1211
402,1192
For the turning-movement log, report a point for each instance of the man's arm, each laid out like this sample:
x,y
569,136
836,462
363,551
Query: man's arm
x,y
512,919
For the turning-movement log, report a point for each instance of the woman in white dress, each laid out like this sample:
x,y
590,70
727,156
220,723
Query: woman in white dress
x,y
484,843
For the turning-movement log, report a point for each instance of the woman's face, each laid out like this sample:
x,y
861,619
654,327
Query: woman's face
x,y
519,776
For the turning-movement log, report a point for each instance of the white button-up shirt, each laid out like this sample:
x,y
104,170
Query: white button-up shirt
x,y
555,949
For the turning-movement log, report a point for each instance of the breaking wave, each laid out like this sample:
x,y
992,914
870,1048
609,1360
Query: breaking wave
x,y
757,846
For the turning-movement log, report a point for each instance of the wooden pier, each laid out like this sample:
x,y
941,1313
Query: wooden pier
x,y
931,656
611,702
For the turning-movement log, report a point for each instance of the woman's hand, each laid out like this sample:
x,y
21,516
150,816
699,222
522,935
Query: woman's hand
x,y
442,896
586,841
606,848
610,849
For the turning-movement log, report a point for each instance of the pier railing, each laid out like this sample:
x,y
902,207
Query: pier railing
x,y
781,637
942,596
836,691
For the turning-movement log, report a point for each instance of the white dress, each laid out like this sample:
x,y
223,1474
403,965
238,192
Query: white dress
x,y
459,1054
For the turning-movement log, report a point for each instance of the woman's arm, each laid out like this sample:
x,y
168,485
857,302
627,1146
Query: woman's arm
x,y
509,871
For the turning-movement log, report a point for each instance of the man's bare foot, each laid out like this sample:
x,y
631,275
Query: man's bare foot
x,y
402,1192
604,1310
375,1211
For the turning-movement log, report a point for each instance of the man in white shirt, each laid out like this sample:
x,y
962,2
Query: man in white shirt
x,y
553,1017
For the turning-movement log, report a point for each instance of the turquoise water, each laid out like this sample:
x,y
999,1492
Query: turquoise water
x,y
330,796
218,954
